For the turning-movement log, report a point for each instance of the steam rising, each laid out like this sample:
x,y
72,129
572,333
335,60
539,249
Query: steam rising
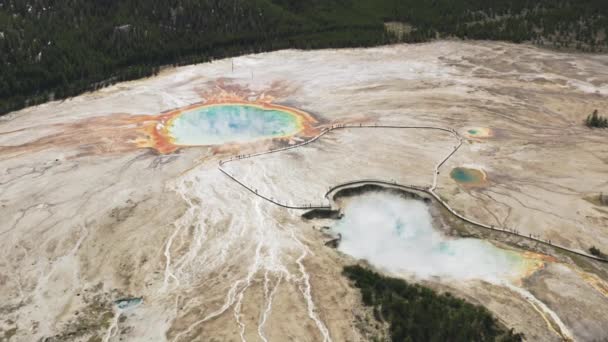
x,y
396,234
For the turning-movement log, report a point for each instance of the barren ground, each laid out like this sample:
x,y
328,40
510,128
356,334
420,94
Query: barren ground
x,y
90,217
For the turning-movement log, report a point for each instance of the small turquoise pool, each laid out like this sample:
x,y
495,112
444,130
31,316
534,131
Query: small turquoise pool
x,y
225,123
127,303
467,176
480,132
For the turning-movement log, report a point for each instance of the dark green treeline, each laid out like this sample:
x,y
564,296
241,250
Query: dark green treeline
x,y
60,48
418,313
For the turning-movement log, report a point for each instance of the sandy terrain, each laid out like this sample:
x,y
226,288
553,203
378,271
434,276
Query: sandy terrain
x,y
93,213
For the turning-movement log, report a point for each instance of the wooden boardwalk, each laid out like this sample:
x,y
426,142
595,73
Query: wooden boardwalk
x,y
429,190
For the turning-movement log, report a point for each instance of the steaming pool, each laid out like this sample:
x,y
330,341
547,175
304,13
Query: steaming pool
x,y
396,234
237,123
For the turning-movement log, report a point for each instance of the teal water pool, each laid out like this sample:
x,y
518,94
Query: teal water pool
x,y
225,123
127,303
467,175
480,132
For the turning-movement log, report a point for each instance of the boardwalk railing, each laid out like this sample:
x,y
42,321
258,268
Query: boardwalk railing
x,y
453,212
429,190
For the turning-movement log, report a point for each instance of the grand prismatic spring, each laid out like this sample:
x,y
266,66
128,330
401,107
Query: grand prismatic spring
x,y
235,122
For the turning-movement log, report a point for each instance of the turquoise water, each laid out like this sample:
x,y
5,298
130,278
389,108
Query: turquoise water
x,y
464,175
214,125
126,303
397,235
472,131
